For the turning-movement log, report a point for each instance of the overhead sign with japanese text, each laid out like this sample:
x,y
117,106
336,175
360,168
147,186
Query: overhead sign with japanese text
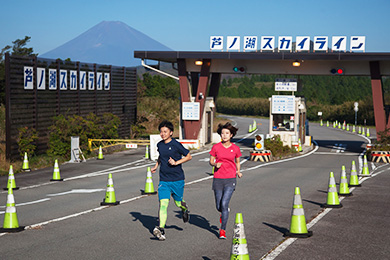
x,y
285,43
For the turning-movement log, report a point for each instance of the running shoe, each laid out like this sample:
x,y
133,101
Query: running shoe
x,y
185,212
222,234
159,233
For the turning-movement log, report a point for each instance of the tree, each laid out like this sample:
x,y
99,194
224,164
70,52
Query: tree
x,y
18,48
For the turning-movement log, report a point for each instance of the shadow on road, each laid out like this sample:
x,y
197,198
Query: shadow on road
x,y
149,222
280,229
200,222
314,202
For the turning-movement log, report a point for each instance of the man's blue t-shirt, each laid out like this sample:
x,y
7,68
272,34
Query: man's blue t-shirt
x,y
175,150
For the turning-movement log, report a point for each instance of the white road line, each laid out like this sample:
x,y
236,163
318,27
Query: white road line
x,y
27,203
75,191
330,153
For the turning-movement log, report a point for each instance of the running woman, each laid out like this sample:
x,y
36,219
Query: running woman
x,y
171,175
225,157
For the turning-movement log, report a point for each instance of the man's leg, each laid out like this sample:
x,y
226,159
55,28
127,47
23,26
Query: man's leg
x,y
163,213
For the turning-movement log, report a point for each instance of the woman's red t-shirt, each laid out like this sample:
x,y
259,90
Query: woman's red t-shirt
x,y
227,156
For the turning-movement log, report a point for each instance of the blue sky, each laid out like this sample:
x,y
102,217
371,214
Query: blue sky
x,y
187,25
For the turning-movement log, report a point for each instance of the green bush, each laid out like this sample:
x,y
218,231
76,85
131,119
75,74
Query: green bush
x,y
26,140
104,127
277,148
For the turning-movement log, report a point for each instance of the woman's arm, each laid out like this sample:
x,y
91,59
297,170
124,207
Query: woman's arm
x,y
238,166
213,162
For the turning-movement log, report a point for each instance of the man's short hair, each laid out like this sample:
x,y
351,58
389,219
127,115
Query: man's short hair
x,y
166,123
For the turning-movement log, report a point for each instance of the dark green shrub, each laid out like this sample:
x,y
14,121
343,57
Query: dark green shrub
x,y
277,148
26,140
104,127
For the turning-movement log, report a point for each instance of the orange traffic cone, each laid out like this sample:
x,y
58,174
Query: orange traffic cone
x,y
298,226
11,223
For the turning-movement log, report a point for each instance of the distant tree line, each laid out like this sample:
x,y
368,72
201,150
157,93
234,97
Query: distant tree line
x,y
332,90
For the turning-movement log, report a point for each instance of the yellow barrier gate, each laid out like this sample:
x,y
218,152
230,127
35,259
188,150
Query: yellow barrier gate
x,y
94,144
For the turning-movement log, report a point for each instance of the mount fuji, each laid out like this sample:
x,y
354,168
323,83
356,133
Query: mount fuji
x,y
108,42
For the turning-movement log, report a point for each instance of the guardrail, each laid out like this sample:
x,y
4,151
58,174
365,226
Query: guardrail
x,y
93,144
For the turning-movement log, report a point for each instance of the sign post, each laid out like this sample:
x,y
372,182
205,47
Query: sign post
x,y
356,104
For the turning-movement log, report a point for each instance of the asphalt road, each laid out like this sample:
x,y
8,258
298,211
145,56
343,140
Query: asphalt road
x,y
65,220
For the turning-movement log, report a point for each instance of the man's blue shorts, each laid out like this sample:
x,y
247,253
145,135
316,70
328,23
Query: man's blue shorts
x,y
168,188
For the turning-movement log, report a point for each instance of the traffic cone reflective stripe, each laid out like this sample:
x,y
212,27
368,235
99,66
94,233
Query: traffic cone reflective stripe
x,y
11,223
110,198
333,198
298,221
25,166
100,155
11,180
354,179
365,170
149,188
56,172
147,152
239,245
344,189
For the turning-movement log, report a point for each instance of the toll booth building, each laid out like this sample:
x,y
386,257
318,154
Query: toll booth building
x,y
288,119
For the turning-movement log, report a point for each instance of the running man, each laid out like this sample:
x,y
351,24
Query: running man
x,y
171,175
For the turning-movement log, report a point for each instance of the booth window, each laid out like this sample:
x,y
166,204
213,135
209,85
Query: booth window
x,y
282,122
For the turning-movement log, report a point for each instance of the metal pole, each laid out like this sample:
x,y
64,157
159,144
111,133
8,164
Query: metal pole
x,y
355,118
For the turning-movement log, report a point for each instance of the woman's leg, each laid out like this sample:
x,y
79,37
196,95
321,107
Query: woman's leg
x,y
224,204
218,197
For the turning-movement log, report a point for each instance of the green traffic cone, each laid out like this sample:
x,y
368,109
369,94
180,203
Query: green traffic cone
x,y
344,189
333,198
25,166
298,226
100,155
365,170
354,180
239,245
149,188
56,172
110,198
11,223
11,180
147,152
